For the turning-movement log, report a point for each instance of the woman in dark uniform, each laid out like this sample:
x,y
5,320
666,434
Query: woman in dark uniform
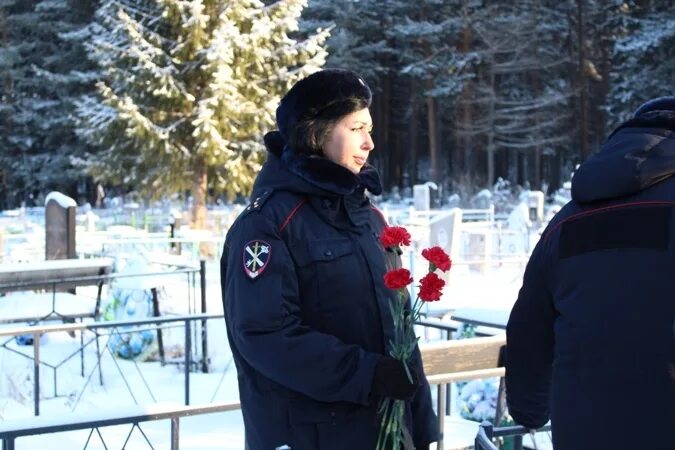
x,y
306,308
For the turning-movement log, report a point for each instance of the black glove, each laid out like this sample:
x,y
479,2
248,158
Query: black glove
x,y
390,379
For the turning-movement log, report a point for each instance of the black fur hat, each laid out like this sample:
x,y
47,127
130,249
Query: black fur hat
x,y
321,91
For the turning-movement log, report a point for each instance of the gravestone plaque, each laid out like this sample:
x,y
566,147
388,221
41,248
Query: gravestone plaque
x,y
535,203
59,226
421,197
445,232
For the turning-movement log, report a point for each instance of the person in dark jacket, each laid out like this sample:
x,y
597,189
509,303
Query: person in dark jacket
x,y
306,309
590,341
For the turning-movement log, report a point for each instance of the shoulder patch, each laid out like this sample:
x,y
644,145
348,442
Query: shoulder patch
x,y
256,256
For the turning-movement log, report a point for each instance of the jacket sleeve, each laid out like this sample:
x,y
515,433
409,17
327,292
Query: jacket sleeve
x,y
264,320
529,345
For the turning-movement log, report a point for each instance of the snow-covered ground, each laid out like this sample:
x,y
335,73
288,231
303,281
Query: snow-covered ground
x,y
471,283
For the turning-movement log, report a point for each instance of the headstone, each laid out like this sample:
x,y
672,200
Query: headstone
x,y
482,200
535,203
174,225
90,221
421,197
395,194
519,218
444,231
454,201
59,226
478,249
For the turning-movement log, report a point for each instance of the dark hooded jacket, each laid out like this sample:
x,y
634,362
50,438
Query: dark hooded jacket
x,y
590,339
308,320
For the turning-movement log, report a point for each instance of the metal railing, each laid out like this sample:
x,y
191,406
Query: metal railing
x,y
59,282
194,326
487,432
109,329
11,430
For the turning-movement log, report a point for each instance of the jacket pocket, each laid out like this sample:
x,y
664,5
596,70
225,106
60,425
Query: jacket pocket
x,y
324,268
306,418
335,426
327,250
320,250
306,414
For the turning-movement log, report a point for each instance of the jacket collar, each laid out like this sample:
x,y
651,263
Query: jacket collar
x,y
329,176
335,192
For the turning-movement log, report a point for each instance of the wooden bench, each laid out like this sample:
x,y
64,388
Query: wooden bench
x,y
461,360
56,280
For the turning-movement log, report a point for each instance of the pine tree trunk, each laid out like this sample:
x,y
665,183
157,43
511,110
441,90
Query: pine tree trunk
x,y
467,140
462,164
606,47
581,36
536,173
9,96
199,179
412,134
491,129
5,43
537,169
433,139
466,168
457,159
391,154
432,123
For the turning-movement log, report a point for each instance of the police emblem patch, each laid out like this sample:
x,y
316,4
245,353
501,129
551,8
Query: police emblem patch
x,y
256,256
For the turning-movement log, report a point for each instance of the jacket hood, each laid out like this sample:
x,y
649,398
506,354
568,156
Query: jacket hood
x,y
289,171
637,155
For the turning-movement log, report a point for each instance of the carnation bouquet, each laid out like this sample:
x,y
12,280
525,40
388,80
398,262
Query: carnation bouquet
x,y
393,432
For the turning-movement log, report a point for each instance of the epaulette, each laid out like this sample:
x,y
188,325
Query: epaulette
x,y
258,202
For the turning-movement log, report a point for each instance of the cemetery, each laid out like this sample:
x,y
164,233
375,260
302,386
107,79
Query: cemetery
x,y
520,153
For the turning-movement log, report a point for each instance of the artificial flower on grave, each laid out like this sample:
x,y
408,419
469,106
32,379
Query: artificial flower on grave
x,y
393,432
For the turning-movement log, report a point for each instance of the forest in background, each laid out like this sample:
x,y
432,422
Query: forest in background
x,y
465,91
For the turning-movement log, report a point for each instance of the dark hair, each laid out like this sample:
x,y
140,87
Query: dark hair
x,y
308,136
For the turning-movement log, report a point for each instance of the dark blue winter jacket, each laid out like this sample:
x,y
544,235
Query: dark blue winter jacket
x,y
590,340
306,309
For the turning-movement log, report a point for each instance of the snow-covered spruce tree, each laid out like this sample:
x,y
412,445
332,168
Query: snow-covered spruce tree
x,y
643,57
42,75
189,89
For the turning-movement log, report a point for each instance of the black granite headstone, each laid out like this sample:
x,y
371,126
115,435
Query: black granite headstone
x,y
59,226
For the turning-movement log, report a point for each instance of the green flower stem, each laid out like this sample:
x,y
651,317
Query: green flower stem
x,y
384,410
392,427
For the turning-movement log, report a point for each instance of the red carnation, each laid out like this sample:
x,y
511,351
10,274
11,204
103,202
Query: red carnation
x,y
397,279
394,236
438,258
430,287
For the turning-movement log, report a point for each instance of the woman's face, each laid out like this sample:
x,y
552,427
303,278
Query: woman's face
x,y
349,143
